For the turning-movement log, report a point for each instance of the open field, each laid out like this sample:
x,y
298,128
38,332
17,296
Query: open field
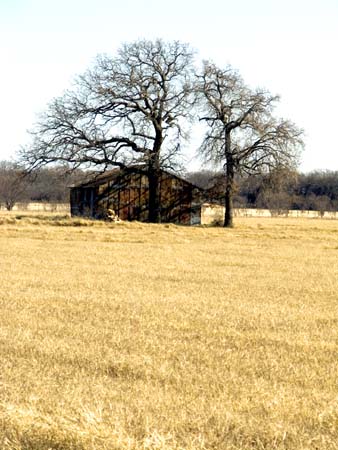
x,y
135,336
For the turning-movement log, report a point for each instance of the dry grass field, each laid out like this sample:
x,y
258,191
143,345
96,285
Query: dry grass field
x,y
135,336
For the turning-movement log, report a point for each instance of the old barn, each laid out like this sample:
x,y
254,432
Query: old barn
x,y
126,192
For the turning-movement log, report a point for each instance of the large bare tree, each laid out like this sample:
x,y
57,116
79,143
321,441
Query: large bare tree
x,y
132,109
242,133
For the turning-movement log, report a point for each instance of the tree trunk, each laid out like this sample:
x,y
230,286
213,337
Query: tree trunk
x,y
9,205
228,217
154,196
229,187
154,177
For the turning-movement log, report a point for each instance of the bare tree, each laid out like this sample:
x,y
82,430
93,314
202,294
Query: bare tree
x,y
242,133
128,110
276,190
12,184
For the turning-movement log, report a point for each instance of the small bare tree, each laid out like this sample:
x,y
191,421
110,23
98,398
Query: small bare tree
x,y
12,184
132,109
242,134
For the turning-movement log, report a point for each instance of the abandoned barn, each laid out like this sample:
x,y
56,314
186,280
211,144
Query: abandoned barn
x,y
126,192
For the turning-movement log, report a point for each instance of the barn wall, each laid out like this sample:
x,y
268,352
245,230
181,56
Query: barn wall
x,y
128,195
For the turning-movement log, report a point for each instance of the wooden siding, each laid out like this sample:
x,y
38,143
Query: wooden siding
x,y
127,193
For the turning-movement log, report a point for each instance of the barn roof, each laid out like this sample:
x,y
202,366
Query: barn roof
x,y
110,175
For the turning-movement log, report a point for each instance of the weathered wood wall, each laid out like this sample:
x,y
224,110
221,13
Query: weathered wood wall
x,y
128,195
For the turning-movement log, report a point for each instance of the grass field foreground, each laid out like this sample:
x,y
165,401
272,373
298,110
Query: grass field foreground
x,y
137,336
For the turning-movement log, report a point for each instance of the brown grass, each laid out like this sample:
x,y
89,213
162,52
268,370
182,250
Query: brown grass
x,y
134,336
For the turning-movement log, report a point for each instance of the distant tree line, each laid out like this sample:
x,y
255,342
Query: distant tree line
x,y
48,184
279,190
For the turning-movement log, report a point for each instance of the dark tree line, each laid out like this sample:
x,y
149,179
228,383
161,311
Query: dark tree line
x,y
48,184
279,190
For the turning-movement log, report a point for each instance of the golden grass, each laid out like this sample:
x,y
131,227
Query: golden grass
x,y
135,336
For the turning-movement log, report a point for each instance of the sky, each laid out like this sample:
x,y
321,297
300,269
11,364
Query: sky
x,y
288,47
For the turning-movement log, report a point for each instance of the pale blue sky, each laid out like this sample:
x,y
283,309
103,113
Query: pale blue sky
x,y
288,47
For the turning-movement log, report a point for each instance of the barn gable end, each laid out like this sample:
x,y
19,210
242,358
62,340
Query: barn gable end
x,y
127,193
